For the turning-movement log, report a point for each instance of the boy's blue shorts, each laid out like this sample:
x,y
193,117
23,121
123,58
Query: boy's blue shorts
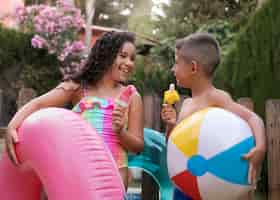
x,y
178,195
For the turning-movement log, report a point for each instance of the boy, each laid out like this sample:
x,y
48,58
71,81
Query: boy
x,y
196,58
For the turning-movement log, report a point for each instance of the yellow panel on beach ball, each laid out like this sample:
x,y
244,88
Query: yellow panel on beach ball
x,y
185,134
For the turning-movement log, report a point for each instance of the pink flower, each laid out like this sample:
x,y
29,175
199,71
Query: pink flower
x,y
38,42
77,47
20,14
52,51
56,29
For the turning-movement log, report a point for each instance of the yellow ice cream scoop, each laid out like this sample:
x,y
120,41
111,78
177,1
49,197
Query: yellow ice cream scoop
x,y
171,96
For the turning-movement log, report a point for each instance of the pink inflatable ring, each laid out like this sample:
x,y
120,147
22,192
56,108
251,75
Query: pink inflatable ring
x,y
61,152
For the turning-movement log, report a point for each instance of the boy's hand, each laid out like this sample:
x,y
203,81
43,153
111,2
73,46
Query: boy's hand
x,y
168,114
255,157
119,118
10,139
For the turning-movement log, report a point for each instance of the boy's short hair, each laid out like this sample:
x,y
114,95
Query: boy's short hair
x,y
203,48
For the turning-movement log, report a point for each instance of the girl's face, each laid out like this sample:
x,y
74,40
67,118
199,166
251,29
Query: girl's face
x,y
123,65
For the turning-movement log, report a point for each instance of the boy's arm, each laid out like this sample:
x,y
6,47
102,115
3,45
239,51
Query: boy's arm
x,y
256,155
181,116
169,117
168,130
222,99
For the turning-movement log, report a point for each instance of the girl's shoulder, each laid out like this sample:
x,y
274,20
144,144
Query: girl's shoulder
x,y
69,86
135,96
72,88
130,90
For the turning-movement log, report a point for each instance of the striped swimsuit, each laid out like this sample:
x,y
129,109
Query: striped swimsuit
x,y
98,112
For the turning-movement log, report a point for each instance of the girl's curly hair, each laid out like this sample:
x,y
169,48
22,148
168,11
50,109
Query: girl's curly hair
x,y
102,56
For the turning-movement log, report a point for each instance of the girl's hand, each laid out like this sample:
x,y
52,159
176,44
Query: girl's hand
x,y
168,114
119,118
10,139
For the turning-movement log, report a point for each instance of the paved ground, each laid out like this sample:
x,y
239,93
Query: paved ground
x,y
132,196
134,193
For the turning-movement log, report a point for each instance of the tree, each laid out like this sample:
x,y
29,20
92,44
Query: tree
x,y
223,18
252,66
184,17
111,13
90,11
140,21
260,3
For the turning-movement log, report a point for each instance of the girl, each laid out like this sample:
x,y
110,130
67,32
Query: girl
x,y
93,92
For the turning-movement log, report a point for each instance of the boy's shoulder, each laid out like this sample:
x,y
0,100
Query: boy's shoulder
x,y
186,104
187,100
218,93
218,96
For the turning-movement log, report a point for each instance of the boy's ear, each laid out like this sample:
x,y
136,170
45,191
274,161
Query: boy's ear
x,y
194,66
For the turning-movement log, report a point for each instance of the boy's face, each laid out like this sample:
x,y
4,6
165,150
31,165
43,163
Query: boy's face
x,y
183,71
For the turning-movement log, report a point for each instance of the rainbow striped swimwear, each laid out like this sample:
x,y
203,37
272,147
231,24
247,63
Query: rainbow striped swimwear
x,y
98,112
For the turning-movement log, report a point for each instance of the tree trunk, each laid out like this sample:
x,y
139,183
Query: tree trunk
x,y
90,10
260,3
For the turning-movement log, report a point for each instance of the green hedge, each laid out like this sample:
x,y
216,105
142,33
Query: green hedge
x,y
38,69
252,68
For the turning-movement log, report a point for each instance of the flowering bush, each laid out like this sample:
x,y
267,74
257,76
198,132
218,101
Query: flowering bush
x,y
56,29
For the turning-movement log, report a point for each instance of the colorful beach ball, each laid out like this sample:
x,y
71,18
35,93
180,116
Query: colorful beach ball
x,y
204,155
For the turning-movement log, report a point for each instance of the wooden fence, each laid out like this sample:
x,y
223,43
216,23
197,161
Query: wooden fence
x,y
152,107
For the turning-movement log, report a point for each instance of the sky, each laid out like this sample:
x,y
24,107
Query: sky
x,y
156,10
161,1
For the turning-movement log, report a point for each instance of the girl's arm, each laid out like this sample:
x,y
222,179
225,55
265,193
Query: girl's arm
x,y
59,96
56,97
132,138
